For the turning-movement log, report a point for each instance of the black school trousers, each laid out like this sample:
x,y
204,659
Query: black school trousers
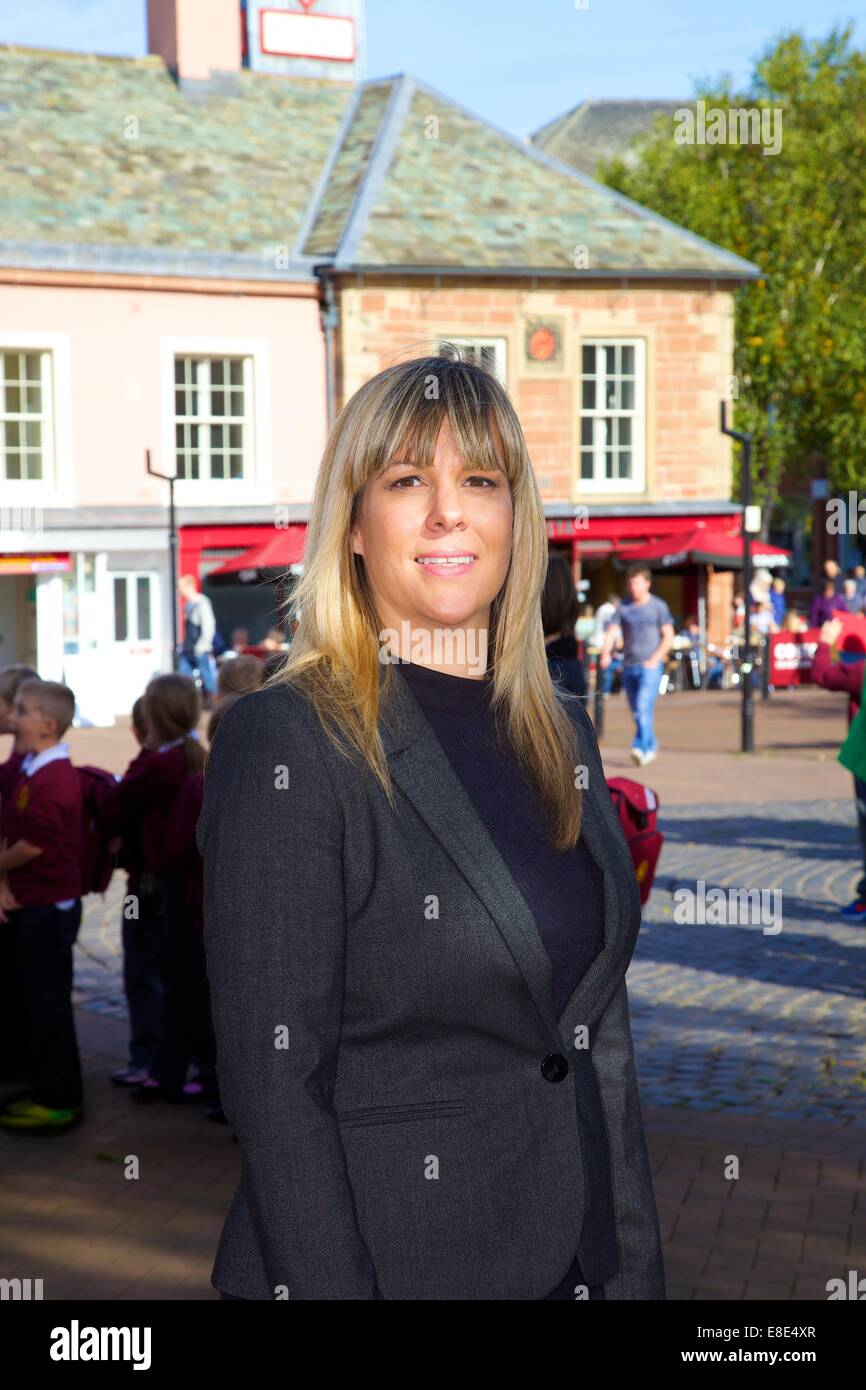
x,y
44,938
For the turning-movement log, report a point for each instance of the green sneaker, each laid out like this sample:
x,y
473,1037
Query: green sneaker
x,y
28,1115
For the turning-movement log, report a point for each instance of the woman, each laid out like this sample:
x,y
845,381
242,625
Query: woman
x,y
559,609
417,921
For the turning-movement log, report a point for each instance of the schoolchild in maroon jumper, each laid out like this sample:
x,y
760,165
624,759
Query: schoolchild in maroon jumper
x,y
182,857
40,902
11,677
141,933
13,1020
145,796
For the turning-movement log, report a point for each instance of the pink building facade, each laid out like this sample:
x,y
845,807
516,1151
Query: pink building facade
x,y
223,384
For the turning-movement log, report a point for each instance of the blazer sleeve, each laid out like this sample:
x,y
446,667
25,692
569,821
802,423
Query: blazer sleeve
x,y
271,837
641,1268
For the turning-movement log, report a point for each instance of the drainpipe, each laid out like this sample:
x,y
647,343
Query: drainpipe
x,y
329,311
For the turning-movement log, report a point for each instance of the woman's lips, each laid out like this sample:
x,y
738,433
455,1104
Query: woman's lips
x,y
443,567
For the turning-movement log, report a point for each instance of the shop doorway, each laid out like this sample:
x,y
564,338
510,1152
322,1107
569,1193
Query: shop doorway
x,y
18,619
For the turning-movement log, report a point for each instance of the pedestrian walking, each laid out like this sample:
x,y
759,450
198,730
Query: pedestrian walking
x,y
197,654
646,628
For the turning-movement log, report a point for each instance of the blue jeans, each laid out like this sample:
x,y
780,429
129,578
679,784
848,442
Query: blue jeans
x,y
641,686
206,667
609,672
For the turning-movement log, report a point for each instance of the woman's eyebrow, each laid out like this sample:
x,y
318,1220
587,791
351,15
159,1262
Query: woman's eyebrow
x,y
467,466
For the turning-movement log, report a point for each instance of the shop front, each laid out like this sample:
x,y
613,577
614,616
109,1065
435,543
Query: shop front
x,y
693,557
246,571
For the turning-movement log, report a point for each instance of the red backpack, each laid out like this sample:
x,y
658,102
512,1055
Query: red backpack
x,y
636,806
97,860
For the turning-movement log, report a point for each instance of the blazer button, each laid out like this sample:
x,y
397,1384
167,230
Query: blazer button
x,y
554,1067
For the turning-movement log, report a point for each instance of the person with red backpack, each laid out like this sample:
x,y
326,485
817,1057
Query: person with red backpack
x,y
182,857
141,932
40,901
13,1019
145,797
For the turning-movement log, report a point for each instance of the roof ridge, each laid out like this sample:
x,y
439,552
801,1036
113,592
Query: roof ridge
x,y
559,123
377,166
148,59
308,221
634,101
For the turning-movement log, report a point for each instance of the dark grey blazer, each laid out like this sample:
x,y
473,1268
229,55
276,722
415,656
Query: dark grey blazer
x,y
387,1050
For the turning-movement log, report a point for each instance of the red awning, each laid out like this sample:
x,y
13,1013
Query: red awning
x,y
704,546
271,559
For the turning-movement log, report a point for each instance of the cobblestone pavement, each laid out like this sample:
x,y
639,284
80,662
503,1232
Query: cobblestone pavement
x,y
731,1017
724,1017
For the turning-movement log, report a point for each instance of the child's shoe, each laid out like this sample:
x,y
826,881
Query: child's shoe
x,y
39,1119
129,1076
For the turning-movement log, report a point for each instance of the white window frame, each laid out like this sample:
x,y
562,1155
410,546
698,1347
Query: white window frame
x,y
498,344
55,487
599,483
256,484
130,579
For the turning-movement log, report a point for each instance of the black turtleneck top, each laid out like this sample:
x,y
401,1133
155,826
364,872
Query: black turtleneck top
x,y
564,891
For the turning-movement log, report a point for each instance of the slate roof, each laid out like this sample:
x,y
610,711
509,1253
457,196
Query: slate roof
x,y
230,175
601,130
389,175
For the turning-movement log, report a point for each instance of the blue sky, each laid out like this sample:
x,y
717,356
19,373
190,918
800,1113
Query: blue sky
x,y
516,62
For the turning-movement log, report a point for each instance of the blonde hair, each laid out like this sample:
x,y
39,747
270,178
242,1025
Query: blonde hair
x,y
335,654
55,700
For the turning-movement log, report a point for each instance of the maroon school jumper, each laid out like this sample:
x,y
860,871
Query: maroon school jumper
x,y
130,857
181,851
145,798
45,810
9,772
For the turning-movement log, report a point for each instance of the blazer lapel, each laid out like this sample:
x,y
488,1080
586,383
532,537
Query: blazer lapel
x,y
423,771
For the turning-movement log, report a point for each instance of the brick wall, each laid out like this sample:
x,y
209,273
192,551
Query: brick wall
x,y
688,332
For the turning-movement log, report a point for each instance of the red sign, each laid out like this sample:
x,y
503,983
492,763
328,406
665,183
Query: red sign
x,y
791,657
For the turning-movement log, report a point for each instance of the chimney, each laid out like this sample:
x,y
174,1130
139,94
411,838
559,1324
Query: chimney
x,y
198,40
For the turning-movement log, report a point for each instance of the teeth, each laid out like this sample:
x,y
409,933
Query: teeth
x,y
452,560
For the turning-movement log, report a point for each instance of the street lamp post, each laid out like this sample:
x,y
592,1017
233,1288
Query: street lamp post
x,y
172,553
746,662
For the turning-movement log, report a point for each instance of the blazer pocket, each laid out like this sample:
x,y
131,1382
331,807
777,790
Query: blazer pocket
x,y
399,1114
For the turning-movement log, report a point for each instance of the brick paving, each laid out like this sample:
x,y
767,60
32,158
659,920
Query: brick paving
x,y
726,1016
749,1046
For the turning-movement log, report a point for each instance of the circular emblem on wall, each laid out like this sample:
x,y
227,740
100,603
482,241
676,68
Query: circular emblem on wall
x,y
543,342
542,345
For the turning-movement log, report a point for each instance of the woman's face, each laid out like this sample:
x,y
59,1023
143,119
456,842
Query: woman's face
x,y
408,516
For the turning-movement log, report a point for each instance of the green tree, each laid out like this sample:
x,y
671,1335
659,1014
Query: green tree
x,y
800,354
